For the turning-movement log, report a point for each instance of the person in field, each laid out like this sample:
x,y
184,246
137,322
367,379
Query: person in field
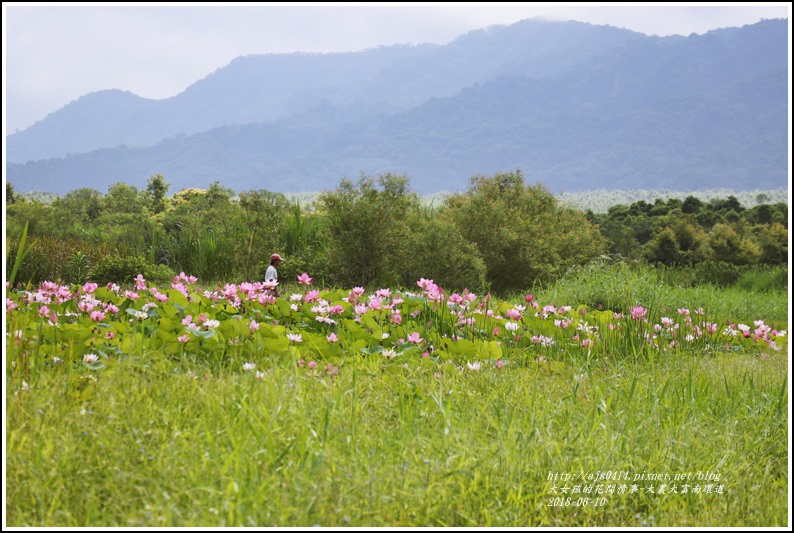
x,y
272,273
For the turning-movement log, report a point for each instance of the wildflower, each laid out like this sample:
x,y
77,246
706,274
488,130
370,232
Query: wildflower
x,y
294,307
304,279
496,331
331,369
44,310
253,325
528,297
248,367
513,314
383,293
414,338
499,363
11,305
511,326
586,343
294,338
90,358
110,335
638,313
683,311
425,354
183,339
89,287
259,375
312,364
474,366
332,338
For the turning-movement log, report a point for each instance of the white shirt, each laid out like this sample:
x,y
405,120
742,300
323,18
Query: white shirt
x,y
271,273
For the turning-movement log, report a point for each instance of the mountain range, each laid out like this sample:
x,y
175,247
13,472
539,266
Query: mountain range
x,y
575,106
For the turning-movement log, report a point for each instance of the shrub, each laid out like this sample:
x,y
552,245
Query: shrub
x,y
123,269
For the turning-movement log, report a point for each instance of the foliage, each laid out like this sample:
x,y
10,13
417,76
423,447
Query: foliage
x,y
365,228
116,268
521,233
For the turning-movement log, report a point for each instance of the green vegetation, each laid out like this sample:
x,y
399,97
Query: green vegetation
x,y
256,418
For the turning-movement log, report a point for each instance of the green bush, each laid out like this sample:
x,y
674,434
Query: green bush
x,y
717,273
521,232
764,279
123,269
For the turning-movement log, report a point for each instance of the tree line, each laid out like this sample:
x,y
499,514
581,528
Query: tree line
x,y
502,234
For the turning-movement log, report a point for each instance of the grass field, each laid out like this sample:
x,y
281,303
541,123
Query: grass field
x,y
156,438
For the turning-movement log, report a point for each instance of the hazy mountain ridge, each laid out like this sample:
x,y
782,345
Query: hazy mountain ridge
x,y
573,105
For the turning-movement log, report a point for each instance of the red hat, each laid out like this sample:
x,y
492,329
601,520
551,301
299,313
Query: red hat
x,y
276,256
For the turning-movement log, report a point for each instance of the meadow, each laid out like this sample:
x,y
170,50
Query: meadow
x,y
605,399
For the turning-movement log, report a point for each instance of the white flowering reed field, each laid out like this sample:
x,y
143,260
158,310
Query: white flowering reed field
x,y
607,401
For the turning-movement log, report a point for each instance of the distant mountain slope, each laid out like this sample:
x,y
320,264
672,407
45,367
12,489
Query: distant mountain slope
x,y
573,105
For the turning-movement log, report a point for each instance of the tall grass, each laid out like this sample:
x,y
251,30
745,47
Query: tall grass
x,y
619,286
145,443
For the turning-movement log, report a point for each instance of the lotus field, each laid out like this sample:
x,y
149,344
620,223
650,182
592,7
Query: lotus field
x,y
256,404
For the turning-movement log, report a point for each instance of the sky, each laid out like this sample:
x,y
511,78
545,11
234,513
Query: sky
x,y
53,54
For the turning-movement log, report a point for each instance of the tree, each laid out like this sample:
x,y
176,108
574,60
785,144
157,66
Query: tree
x,y
521,233
365,228
664,248
691,205
157,188
11,196
123,198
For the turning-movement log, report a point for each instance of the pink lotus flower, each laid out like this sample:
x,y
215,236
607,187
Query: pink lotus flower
x,y
97,316
414,338
396,319
183,339
383,293
332,338
312,296
304,279
11,304
131,295
90,358
110,335
89,287
253,325
44,310
499,363
513,314
294,338
638,313
528,297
